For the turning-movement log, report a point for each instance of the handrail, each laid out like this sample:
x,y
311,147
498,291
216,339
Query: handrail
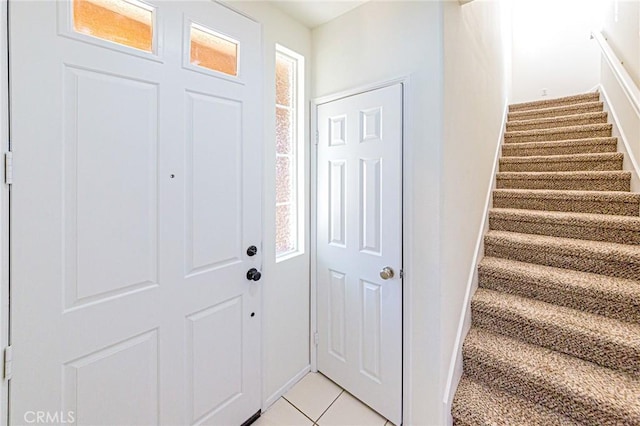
x,y
622,75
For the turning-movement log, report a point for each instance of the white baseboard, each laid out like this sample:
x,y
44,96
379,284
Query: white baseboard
x,y
284,389
455,366
629,163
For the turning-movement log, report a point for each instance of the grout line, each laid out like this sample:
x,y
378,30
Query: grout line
x,y
301,412
332,402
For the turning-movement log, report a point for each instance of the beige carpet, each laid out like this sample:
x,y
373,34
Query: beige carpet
x,y
555,336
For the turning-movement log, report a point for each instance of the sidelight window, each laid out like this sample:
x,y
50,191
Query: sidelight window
x,y
289,173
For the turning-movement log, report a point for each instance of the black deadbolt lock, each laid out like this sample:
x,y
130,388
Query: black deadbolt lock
x,y
252,251
253,274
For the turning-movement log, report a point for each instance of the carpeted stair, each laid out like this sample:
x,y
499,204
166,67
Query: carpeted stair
x,y
555,335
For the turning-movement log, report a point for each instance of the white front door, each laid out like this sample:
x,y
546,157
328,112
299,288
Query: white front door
x,y
136,194
359,247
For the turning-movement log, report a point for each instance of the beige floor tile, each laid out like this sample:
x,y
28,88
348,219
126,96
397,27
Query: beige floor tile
x,y
313,395
348,411
283,414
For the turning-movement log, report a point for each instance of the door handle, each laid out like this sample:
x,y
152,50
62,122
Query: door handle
x,y
253,274
387,273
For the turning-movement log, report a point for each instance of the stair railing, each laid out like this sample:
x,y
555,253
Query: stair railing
x,y
622,75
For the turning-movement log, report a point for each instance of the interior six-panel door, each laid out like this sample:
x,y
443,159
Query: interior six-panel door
x,y
359,247
137,149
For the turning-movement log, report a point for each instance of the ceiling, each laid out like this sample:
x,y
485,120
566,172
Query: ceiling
x,y
312,13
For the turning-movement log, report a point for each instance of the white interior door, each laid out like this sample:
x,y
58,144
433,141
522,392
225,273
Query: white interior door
x,y
136,194
359,235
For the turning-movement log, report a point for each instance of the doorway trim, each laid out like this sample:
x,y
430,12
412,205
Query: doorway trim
x,y
5,146
407,228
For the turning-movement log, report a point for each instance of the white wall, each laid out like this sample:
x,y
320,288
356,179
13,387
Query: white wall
x,y
552,49
381,41
621,27
285,284
476,85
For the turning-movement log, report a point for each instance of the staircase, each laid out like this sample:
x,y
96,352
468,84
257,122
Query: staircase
x,y
555,336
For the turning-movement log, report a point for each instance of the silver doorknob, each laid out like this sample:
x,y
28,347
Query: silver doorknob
x,y
386,273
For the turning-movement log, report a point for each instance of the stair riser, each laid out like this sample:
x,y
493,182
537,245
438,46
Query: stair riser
x,y
576,230
565,184
613,266
515,126
484,369
557,136
564,166
514,150
579,344
555,293
553,103
575,206
570,110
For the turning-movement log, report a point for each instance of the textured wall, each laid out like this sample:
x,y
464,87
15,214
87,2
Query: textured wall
x,y
476,70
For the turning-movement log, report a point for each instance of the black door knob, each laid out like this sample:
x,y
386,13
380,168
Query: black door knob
x,y
253,274
252,251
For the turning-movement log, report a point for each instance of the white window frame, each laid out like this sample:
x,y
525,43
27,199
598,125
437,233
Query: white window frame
x,y
297,150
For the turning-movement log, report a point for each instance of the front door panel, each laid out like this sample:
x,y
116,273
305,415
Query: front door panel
x,y
133,202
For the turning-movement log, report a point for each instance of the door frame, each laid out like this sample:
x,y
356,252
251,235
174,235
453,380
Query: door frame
x,y
5,146
407,228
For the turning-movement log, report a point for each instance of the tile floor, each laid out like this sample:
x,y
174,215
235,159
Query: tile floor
x,y
316,400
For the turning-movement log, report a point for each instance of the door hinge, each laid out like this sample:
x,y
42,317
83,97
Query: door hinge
x,y
316,338
8,167
317,137
401,273
8,362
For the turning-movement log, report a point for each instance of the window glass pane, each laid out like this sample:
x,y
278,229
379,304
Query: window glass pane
x,y
283,131
213,51
283,180
285,231
119,21
284,87
288,116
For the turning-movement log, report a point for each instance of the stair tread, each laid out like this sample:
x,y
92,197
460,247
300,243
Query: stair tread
x,y
561,147
558,119
544,144
568,218
601,156
599,286
579,333
478,404
567,246
557,110
583,128
581,174
573,99
605,389
630,197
